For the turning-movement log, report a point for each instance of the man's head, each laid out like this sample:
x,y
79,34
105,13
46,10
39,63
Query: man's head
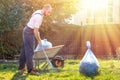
x,y
47,9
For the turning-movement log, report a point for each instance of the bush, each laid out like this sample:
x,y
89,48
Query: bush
x,y
10,43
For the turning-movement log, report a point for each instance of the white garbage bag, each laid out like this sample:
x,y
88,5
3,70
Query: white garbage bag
x,y
89,64
45,44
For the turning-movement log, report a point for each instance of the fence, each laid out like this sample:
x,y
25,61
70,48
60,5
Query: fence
x,y
105,40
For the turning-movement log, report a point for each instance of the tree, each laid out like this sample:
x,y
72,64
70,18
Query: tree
x,y
11,17
15,13
11,14
62,9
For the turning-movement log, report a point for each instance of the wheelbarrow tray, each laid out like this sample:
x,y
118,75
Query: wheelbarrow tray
x,y
40,57
51,52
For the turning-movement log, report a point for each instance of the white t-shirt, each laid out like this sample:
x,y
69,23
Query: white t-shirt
x,y
36,20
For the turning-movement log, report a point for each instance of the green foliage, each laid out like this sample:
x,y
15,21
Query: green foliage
x,y
10,43
15,13
61,8
11,14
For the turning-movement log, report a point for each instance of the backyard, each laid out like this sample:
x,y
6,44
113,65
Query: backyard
x,y
109,70
71,23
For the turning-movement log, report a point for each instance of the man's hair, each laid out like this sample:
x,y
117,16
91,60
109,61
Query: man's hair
x,y
47,6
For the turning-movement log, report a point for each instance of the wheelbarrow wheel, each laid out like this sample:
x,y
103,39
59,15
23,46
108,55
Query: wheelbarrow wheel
x,y
58,61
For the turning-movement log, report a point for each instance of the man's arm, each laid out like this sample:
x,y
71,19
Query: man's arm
x,y
37,35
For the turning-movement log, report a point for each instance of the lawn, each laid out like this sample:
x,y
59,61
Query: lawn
x,y
109,70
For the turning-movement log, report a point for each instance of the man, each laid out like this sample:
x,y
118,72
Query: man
x,y
30,31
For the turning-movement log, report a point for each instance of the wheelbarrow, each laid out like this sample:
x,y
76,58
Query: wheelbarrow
x,y
42,57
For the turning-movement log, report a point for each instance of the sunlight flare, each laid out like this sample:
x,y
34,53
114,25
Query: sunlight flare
x,y
94,4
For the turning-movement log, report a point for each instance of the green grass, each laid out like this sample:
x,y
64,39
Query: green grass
x,y
109,70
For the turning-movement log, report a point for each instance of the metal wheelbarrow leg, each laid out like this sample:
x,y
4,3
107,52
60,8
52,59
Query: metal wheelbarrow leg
x,y
47,59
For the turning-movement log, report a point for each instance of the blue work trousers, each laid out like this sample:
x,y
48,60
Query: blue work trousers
x,y
27,51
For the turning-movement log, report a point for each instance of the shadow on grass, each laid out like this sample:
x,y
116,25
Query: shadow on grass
x,y
44,71
20,75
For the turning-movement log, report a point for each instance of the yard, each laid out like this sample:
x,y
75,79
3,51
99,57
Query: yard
x,y
109,70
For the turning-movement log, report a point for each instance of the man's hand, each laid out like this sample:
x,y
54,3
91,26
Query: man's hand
x,y
40,43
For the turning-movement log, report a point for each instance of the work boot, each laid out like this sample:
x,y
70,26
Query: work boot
x,y
23,69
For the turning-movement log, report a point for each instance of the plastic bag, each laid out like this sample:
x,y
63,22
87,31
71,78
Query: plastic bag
x,y
89,64
45,44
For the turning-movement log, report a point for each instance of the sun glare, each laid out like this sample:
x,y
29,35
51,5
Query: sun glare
x,y
95,11
93,4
